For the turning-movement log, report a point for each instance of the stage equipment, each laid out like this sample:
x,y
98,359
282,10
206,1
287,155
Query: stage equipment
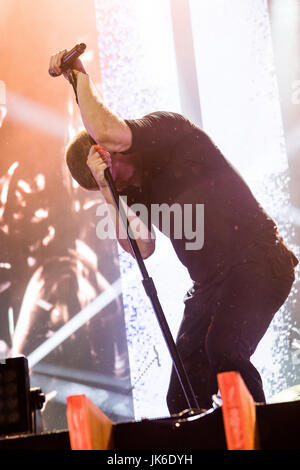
x,y
19,405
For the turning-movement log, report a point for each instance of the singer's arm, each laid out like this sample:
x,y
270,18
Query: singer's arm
x,y
102,124
98,161
106,128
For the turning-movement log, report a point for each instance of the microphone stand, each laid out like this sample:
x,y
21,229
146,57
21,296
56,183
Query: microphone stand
x,y
150,290
149,285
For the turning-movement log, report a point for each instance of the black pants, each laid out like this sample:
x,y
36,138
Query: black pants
x,y
223,324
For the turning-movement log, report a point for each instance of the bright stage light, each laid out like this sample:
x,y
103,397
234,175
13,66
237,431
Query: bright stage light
x,y
32,114
139,75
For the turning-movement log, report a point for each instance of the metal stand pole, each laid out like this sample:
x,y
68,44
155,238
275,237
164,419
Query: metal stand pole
x,y
152,294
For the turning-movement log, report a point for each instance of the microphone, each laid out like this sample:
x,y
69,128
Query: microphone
x,y
69,58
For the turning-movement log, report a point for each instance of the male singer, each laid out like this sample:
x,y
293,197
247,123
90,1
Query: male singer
x,y
243,273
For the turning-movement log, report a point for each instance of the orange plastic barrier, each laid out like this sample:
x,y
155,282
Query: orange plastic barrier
x,y
239,413
89,428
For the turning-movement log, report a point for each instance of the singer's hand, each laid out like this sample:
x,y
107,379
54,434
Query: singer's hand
x,y
98,160
55,64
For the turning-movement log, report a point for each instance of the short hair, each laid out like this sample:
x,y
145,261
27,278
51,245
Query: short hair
x,y
76,157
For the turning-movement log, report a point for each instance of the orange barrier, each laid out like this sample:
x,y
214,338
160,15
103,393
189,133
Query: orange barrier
x,y
239,413
89,427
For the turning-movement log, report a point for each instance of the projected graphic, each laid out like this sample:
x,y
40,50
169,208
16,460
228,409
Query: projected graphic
x,y
52,270
60,290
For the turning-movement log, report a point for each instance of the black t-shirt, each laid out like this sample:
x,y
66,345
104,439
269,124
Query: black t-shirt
x,y
181,165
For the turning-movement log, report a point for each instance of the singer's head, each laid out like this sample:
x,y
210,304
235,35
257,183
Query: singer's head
x,y
76,157
123,169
